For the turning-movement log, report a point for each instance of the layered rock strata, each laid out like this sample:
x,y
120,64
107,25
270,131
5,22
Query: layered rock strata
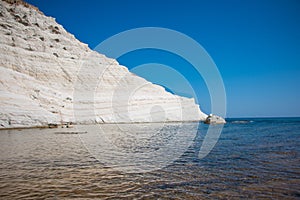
x,y
49,77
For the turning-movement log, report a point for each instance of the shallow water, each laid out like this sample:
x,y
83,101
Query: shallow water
x,y
254,158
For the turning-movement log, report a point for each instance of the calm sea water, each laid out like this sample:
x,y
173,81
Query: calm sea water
x,y
253,159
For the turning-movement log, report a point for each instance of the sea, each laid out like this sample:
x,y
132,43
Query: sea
x,y
255,158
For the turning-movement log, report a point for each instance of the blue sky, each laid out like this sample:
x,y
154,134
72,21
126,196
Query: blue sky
x,y
254,43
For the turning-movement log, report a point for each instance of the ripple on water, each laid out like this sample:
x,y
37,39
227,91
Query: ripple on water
x,y
249,161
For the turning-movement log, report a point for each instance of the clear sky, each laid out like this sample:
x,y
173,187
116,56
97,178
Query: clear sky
x,y
254,43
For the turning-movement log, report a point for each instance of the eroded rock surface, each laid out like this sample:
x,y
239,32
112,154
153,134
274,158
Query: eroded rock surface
x,y
214,119
49,77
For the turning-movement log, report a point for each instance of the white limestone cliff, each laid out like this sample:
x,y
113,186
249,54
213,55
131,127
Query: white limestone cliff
x,y
49,77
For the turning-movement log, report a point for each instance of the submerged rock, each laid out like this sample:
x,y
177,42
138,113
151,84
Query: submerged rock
x,y
214,119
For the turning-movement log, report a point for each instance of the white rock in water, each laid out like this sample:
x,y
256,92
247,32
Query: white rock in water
x,y
49,77
214,119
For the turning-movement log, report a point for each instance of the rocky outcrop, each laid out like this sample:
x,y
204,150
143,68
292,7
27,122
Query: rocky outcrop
x,y
49,77
214,119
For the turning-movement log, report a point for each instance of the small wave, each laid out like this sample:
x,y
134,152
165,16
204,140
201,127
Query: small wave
x,y
241,121
70,132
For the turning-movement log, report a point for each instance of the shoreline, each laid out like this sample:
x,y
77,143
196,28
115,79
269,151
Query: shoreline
x,y
74,124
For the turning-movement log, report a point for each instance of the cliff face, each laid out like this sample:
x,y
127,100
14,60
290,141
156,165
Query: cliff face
x,y
48,76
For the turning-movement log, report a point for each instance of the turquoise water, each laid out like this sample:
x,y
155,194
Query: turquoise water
x,y
253,159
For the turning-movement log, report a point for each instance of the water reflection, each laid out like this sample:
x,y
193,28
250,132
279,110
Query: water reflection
x,y
249,161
